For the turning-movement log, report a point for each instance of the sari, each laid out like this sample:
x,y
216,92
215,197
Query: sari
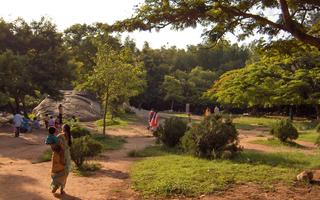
x,y
61,164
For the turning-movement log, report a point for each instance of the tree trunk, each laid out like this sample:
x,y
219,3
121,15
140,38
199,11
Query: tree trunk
x,y
25,112
105,115
290,113
317,107
16,100
172,103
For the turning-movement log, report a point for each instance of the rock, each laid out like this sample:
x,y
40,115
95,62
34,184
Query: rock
x,y
75,104
306,176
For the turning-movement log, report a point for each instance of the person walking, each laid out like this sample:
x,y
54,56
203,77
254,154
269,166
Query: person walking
x,y
61,167
60,109
151,113
154,121
17,121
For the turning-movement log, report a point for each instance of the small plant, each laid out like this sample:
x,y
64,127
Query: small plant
x,y
214,137
284,130
171,131
87,169
84,147
78,131
318,128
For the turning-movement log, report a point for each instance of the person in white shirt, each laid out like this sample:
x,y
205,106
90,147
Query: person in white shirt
x,y
216,110
17,121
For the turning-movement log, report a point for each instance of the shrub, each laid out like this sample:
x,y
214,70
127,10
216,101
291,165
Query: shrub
x,y
171,131
78,131
211,138
284,130
318,128
84,147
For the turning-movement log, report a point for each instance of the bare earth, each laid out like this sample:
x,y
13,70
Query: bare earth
x,y
21,179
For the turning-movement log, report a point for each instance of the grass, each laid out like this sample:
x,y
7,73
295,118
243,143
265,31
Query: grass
x,y
109,142
249,123
87,169
120,121
155,150
273,142
308,137
182,175
45,156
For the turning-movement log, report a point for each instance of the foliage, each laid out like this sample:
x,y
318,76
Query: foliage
x,y
87,169
318,128
27,53
45,156
116,75
298,18
171,131
78,131
284,130
211,137
272,142
84,147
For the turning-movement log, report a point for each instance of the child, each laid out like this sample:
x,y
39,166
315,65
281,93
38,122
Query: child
x,y
53,141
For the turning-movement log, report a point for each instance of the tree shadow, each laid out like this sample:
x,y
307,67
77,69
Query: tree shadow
x,y
116,174
15,187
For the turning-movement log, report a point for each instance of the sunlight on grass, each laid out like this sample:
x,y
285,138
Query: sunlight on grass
x,y
273,142
109,142
308,137
120,121
171,175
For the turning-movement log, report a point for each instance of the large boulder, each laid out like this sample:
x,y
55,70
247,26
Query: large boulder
x,y
78,104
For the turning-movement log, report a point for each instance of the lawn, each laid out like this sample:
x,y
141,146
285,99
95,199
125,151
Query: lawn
x,y
109,142
308,137
120,121
170,174
249,123
273,142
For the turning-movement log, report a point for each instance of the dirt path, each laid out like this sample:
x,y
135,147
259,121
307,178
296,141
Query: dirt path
x,y
20,179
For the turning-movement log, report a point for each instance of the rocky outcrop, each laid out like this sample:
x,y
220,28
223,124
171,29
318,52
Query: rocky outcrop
x,y
77,104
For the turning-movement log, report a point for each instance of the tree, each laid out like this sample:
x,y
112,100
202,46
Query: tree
x,y
173,90
33,62
298,18
115,74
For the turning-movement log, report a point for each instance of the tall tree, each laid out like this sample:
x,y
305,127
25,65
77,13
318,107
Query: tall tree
x,y
298,18
116,75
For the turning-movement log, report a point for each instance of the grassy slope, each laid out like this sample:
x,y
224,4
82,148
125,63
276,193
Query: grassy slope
x,y
170,174
118,122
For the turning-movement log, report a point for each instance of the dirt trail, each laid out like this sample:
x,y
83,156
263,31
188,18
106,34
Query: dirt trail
x,y
20,179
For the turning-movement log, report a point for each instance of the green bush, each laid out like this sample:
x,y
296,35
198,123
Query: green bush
x,y
318,128
78,131
284,130
84,147
214,137
171,131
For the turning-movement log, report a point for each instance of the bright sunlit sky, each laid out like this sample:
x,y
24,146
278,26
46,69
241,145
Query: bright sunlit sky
x,y
64,13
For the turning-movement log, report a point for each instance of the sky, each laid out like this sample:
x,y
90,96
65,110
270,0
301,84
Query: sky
x,y
65,13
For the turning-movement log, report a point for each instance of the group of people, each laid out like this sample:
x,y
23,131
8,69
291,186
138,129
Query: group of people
x,y
23,124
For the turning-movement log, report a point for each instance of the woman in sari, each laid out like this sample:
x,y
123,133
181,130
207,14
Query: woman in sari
x,y
61,166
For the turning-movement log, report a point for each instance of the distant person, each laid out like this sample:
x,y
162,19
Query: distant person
x,y
207,112
60,109
35,123
25,125
46,121
151,113
216,110
154,121
73,119
17,122
51,122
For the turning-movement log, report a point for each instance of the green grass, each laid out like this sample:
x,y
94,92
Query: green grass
x,y
308,137
273,142
120,121
155,150
171,175
45,156
109,142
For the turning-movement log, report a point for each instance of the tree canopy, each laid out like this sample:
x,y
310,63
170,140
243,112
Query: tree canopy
x,y
243,18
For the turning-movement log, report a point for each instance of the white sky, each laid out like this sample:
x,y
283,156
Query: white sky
x,y
64,13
